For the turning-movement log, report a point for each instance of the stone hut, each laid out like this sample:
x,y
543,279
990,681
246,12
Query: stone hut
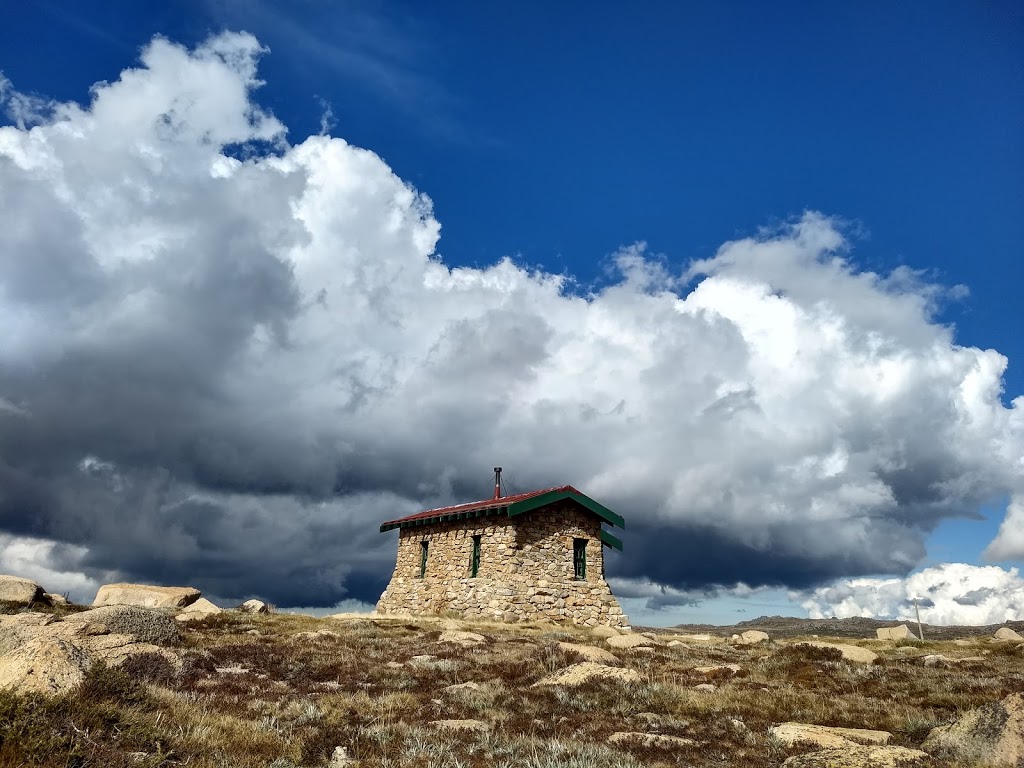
x,y
536,555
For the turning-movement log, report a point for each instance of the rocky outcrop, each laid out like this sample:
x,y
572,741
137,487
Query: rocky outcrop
x,y
585,671
465,639
629,641
146,596
14,589
750,637
254,606
200,609
40,653
902,632
46,664
590,653
853,756
146,626
992,735
824,736
850,652
1006,634
655,740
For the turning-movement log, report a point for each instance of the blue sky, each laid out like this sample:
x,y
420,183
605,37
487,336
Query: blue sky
x,y
558,133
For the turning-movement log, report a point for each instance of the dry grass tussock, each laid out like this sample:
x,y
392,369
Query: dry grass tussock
x,y
281,691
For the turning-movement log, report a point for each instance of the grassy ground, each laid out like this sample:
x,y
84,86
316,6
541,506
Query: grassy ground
x,y
262,691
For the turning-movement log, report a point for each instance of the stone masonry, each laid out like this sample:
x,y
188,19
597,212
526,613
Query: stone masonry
x,y
526,569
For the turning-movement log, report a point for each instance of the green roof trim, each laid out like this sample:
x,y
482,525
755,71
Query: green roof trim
x,y
610,541
528,505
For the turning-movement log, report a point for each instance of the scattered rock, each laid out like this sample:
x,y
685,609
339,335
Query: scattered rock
x,y
751,637
144,625
146,596
650,740
47,665
461,725
992,734
730,669
422,660
463,687
902,632
577,674
823,736
394,665
341,759
56,600
466,639
256,606
963,642
705,687
591,653
628,641
14,589
200,609
604,631
855,756
234,669
317,634
1008,635
850,652
938,660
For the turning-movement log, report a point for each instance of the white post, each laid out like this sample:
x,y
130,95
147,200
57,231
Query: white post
x,y
920,632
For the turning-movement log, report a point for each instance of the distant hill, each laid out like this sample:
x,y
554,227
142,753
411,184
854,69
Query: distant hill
x,y
791,626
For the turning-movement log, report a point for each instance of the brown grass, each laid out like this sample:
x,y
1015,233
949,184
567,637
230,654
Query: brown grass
x,y
255,691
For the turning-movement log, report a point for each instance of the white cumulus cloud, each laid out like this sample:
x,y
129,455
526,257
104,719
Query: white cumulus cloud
x,y
227,356
951,593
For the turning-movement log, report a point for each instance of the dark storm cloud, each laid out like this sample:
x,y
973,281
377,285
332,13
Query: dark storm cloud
x,y
225,368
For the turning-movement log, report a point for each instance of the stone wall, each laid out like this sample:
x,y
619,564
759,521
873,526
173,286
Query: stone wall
x,y
526,569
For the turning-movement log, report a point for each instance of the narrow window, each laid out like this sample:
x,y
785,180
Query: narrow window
x,y
579,558
474,566
423,558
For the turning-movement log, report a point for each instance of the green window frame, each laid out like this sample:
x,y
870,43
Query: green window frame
x,y
579,559
474,564
424,546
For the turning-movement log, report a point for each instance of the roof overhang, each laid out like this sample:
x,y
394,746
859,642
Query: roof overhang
x,y
521,507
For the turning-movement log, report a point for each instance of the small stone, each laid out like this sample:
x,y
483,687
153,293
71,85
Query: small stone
x,y
341,759
461,725
850,652
461,638
824,736
650,740
705,687
628,641
731,669
591,653
577,674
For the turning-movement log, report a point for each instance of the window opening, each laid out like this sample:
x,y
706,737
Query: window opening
x,y
474,566
423,558
579,558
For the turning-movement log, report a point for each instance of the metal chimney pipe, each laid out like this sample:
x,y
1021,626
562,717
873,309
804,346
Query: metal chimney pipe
x,y
497,482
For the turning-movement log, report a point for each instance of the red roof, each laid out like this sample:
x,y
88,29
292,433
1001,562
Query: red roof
x,y
477,506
